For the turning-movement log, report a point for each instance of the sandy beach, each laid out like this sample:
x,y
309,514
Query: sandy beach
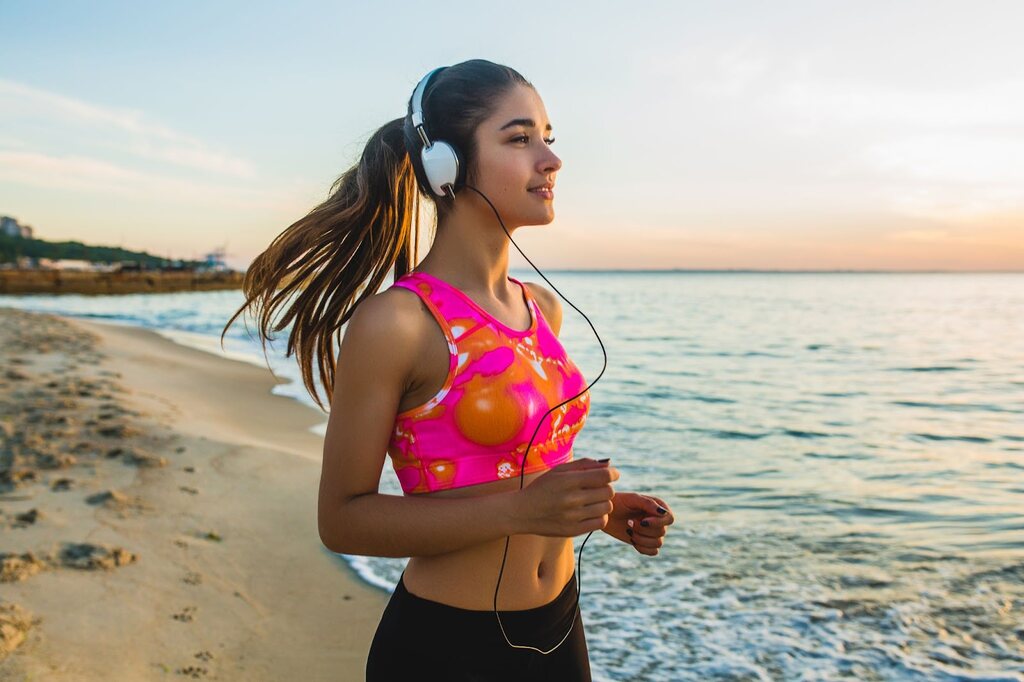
x,y
159,516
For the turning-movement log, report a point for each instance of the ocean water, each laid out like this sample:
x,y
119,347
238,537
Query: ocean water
x,y
843,452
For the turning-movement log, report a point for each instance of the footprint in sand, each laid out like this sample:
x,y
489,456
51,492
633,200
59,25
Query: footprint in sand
x,y
118,431
137,458
196,671
11,479
15,567
89,556
118,501
185,615
25,519
49,460
193,671
15,622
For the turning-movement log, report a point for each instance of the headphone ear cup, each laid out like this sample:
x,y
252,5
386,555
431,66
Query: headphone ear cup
x,y
442,166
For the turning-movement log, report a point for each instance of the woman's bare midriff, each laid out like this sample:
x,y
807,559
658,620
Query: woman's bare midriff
x,y
536,569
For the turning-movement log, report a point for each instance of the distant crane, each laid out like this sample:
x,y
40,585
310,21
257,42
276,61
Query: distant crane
x,y
215,260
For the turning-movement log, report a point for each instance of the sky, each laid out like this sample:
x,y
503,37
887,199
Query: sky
x,y
787,135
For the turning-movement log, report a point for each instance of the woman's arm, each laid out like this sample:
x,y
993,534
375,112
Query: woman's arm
x,y
381,343
397,526
570,499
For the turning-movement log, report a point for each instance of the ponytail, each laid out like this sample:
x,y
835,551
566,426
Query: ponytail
x,y
339,253
368,225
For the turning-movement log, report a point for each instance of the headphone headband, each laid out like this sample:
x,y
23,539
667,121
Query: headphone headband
x,y
417,101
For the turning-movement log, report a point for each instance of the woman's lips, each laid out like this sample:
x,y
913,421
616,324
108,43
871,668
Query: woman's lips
x,y
543,193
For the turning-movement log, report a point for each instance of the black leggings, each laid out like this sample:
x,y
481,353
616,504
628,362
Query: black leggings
x,y
421,639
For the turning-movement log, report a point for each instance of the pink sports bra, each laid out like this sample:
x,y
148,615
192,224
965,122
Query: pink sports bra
x,y
500,382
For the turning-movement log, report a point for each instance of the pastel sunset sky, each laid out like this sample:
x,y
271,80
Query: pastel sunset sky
x,y
783,135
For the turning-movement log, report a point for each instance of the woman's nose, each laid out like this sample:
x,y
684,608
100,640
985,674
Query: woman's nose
x,y
552,162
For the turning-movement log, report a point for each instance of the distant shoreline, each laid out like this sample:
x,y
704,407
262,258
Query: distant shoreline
x,y
658,271
125,282
42,281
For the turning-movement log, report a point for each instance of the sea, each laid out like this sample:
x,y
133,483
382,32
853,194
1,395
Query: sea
x,y
843,453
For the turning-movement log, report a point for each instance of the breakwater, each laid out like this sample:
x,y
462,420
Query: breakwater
x,y
129,282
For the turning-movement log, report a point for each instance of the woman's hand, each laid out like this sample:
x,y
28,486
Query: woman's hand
x,y
571,499
640,520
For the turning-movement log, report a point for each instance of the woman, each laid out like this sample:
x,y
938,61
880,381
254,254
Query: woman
x,y
451,371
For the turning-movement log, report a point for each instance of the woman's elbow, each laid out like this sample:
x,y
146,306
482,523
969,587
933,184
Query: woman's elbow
x,y
330,529
329,541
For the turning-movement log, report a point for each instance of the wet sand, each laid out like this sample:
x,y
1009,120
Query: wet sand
x,y
158,516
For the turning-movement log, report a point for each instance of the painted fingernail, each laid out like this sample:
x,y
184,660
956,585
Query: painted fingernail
x,y
629,523
644,523
629,531
662,510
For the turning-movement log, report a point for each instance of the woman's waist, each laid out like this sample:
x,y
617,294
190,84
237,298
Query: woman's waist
x,y
535,571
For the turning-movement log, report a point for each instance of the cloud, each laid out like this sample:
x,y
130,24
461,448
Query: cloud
x,y
918,236
949,155
950,178
818,102
733,72
123,129
62,143
80,173
952,158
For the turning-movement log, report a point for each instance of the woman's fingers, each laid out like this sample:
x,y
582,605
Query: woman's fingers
x,y
653,528
667,516
644,545
646,539
596,509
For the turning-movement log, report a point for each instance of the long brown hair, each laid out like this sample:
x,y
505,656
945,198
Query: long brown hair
x,y
340,252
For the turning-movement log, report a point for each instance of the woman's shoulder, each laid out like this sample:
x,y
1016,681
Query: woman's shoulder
x,y
389,322
549,304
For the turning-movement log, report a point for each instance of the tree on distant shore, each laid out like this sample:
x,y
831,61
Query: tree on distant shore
x,y
12,248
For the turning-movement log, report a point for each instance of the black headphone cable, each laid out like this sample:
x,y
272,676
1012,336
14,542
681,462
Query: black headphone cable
x,y
522,468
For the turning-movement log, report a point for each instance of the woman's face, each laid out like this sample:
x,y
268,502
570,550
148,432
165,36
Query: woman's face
x,y
513,156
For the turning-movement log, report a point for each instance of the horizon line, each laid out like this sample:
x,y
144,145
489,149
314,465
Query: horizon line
x,y
775,270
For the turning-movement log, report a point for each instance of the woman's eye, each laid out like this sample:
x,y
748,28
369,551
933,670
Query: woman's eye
x,y
526,138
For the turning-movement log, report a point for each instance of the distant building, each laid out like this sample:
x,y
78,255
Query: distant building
x,y
10,227
214,261
177,265
73,264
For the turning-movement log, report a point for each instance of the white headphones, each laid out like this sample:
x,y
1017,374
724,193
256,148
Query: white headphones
x,y
441,162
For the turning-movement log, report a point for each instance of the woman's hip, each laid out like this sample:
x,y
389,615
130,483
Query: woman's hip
x,y
419,636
